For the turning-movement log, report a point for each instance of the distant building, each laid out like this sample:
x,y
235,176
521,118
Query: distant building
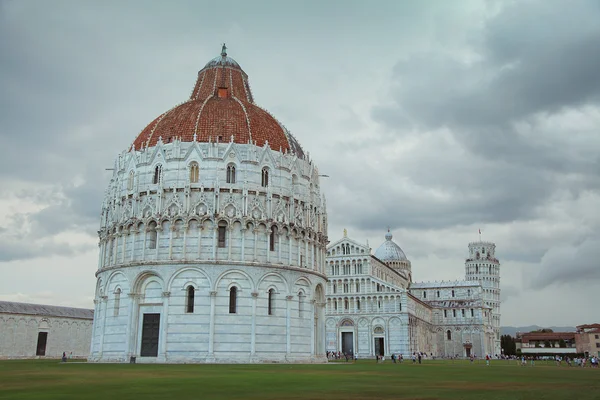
x,y
34,330
374,308
588,339
546,343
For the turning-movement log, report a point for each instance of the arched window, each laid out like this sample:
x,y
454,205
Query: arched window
x,y
454,313
194,172
117,302
490,270
452,293
424,294
357,287
476,269
265,177
358,304
449,334
231,173
233,300
346,304
271,305
335,305
157,174
130,180
272,238
445,313
334,288
438,293
189,303
222,234
468,292
300,304
151,236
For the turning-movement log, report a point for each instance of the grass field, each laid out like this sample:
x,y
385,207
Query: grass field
x,y
363,380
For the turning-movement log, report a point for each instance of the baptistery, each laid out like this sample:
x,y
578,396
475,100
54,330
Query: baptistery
x,y
212,236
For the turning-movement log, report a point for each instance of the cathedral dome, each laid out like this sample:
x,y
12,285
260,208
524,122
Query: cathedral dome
x,y
220,109
390,251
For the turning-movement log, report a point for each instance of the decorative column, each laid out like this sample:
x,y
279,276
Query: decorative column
x,y
288,325
214,249
131,319
171,230
185,229
306,253
254,257
211,331
278,246
229,242
158,235
164,326
313,332
124,246
135,233
144,244
289,238
103,305
268,245
253,332
243,231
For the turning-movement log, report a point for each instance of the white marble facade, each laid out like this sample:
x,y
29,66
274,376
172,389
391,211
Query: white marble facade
x,y
212,251
373,307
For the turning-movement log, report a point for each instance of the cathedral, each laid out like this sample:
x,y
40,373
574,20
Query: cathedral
x,y
213,237
373,307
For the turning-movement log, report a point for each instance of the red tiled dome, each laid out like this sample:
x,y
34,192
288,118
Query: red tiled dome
x,y
221,106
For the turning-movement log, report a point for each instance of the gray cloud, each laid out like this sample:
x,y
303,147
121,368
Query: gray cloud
x,y
570,264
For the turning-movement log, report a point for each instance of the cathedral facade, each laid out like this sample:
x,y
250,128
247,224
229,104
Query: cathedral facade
x,y
213,237
374,308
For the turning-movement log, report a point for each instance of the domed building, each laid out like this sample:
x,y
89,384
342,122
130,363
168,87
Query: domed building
x,y
391,254
212,237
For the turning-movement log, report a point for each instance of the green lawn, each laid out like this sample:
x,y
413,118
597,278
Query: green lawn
x,y
365,379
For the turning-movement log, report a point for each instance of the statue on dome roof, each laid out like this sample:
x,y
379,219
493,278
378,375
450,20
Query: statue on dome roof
x,y
224,50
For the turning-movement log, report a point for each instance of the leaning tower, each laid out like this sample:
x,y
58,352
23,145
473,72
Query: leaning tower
x,y
483,266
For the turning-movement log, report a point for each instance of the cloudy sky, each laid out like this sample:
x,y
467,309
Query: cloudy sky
x,y
434,118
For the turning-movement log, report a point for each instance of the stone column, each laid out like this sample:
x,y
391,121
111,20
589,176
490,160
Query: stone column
x,y
131,319
124,247
278,246
185,229
243,231
144,244
103,305
229,241
158,235
164,326
288,325
171,241
255,257
211,332
135,233
214,249
253,332
313,332
306,253
289,238
268,245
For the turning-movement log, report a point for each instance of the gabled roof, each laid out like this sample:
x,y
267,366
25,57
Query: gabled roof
x,y
9,307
